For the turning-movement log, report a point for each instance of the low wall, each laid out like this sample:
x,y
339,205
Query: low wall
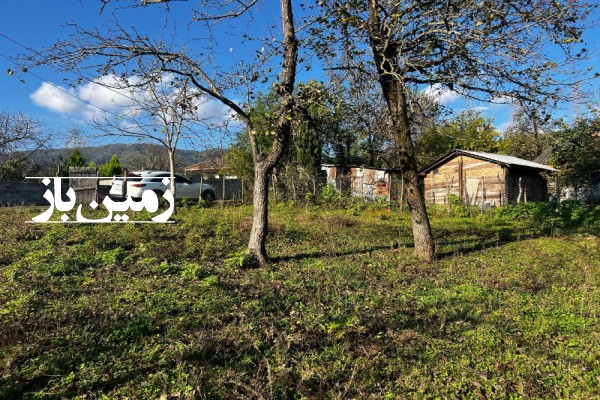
x,y
26,193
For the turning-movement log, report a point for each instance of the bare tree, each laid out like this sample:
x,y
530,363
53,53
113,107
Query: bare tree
x,y
122,51
150,156
164,111
20,133
20,137
521,49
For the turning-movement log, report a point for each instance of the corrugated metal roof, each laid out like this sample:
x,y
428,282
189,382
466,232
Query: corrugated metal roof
x,y
496,158
510,160
214,165
545,157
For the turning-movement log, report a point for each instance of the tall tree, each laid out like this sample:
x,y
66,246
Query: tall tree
x,y
483,49
112,167
524,137
576,150
163,111
470,130
75,159
118,50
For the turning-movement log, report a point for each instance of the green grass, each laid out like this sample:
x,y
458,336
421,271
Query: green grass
x,y
345,310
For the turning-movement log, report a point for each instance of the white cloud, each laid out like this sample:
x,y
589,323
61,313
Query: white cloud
x,y
57,100
479,108
85,101
441,94
100,95
92,99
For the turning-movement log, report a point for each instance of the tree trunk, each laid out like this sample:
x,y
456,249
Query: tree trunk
x,y
395,93
172,171
264,164
257,252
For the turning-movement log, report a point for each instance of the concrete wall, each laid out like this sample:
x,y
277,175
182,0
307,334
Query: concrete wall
x,y
25,193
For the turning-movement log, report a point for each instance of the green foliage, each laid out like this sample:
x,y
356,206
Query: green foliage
x,y
75,159
535,212
469,131
14,170
523,137
457,207
112,257
576,149
570,215
236,260
111,168
330,194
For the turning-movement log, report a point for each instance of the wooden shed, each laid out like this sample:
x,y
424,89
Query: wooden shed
x,y
484,179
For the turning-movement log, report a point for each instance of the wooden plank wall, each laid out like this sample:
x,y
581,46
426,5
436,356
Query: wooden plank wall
x,y
86,188
482,181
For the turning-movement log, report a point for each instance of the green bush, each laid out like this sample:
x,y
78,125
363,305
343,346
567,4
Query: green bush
x,y
330,194
537,212
457,207
572,213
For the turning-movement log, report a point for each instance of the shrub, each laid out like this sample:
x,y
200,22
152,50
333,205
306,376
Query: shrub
x,y
330,194
572,213
457,207
538,212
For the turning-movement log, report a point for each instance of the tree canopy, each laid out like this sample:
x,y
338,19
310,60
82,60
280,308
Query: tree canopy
x,y
576,149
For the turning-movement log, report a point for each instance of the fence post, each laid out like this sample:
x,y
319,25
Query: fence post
x,y
402,193
201,184
125,182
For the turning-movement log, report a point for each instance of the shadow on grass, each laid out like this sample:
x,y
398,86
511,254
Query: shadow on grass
x,y
468,246
319,254
452,246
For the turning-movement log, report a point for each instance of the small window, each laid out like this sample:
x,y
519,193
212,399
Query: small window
x,y
436,171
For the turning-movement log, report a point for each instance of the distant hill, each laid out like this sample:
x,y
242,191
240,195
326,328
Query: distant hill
x,y
131,156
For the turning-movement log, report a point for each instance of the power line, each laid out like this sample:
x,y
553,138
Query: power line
x,y
78,73
56,86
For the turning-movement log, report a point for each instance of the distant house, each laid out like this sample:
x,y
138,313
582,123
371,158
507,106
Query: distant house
x,y
366,182
484,179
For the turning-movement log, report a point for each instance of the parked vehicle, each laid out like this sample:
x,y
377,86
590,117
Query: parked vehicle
x,y
140,181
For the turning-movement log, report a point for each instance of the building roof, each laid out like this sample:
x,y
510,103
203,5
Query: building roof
x,y
210,166
508,161
360,166
545,157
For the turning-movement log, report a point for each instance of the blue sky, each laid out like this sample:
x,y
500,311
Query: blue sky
x,y
39,23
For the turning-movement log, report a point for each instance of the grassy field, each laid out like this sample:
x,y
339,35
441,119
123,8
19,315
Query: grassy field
x,y
510,310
